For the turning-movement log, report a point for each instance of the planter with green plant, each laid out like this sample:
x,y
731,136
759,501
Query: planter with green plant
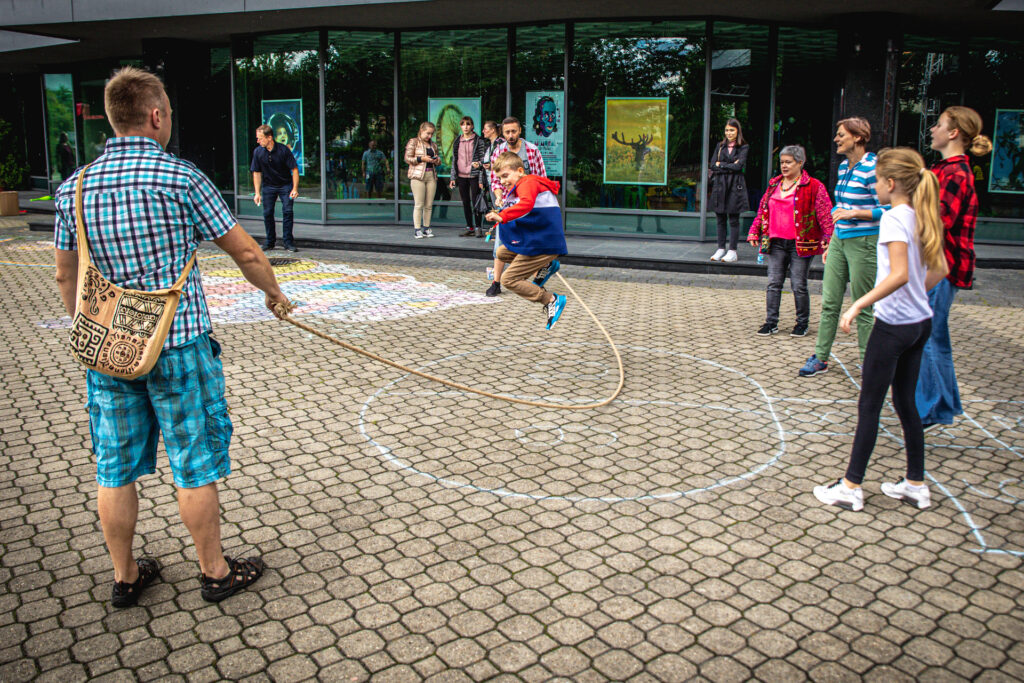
x,y
12,172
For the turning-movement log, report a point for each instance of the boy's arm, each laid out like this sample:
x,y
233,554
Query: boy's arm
x,y
527,190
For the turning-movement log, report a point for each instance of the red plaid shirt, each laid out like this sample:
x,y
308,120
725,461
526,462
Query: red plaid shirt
x,y
958,206
532,157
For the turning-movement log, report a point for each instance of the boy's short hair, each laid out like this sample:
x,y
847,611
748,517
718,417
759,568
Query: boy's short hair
x,y
507,160
129,96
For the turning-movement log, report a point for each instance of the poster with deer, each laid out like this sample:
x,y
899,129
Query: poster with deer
x,y
635,138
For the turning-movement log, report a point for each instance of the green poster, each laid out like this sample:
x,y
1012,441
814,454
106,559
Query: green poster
x,y
635,139
446,113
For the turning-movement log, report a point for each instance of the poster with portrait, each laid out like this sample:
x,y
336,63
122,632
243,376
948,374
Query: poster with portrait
x,y
1007,171
635,139
446,113
285,118
544,111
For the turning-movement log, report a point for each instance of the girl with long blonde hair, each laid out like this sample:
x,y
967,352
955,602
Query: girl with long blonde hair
x,y
910,262
957,133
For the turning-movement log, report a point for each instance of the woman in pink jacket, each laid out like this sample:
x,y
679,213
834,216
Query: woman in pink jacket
x,y
793,223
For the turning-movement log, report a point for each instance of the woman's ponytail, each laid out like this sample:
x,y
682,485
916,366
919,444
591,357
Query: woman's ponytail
x,y
906,167
968,122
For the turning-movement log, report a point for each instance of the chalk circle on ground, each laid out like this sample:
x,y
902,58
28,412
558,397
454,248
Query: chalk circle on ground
x,y
716,427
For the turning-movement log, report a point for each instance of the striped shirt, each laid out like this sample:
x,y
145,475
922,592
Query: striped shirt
x,y
145,213
856,190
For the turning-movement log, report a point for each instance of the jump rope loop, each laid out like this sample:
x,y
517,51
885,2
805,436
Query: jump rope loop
x,y
283,311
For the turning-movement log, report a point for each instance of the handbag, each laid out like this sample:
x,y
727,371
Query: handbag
x,y
116,331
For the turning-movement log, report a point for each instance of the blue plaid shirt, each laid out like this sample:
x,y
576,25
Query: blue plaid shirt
x,y
145,213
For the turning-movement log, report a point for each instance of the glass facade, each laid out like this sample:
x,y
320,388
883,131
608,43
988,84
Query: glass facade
x,y
347,101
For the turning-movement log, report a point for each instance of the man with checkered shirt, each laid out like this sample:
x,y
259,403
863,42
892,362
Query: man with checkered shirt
x,y
145,212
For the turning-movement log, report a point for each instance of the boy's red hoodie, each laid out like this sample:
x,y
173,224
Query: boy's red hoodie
x,y
531,222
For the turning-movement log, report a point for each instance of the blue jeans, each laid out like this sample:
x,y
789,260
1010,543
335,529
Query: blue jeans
x,y
937,395
782,258
270,195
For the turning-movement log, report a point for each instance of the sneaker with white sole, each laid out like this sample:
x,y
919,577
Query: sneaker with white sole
x,y
901,490
427,232
813,367
841,495
717,256
730,256
554,309
545,273
768,329
419,235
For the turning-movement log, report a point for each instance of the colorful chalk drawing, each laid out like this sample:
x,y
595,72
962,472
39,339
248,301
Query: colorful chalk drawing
x,y
331,291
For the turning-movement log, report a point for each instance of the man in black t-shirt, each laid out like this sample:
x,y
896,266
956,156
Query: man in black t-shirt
x,y
274,174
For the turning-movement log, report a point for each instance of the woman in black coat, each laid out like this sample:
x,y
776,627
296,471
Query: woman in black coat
x,y
729,188
466,174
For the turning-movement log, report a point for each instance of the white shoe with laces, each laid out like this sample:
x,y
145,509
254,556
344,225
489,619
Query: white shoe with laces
x,y
730,256
901,490
841,495
717,256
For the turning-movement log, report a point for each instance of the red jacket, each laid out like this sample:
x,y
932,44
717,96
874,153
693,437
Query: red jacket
x,y
812,216
958,207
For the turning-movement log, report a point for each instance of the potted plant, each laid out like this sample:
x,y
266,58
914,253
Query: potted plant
x,y
12,173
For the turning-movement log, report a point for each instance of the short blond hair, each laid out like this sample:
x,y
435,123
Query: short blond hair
x,y
129,97
507,160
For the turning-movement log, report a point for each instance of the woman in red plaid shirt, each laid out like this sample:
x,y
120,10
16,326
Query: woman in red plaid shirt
x,y
957,132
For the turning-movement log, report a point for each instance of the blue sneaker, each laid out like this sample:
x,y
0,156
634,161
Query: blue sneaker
x,y
812,367
555,309
545,273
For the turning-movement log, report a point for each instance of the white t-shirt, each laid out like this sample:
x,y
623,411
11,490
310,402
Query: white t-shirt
x,y
909,303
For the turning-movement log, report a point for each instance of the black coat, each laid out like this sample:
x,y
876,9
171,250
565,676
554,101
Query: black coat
x,y
728,186
480,146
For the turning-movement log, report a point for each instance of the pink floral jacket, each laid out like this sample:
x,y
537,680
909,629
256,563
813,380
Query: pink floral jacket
x,y
812,216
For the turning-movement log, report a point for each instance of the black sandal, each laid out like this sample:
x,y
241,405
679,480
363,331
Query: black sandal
x,y
127,594
241,573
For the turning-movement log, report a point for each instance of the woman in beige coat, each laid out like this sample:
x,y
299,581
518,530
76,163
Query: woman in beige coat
x,y
421,155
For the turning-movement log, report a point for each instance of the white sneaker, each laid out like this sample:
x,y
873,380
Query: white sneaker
x,y
842,495
717,256
420,235
901,490
427,232
730,256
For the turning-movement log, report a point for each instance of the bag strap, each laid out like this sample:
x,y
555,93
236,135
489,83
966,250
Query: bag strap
x,y
83,243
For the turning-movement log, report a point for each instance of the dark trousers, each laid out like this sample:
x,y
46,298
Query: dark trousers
x,y
468,190
783,258
734,233
892,358
270,196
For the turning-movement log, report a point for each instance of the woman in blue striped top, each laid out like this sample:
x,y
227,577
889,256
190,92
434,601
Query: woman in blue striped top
x,y
850,256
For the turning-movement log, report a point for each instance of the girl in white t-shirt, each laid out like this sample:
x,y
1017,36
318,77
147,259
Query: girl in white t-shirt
x,y
910,262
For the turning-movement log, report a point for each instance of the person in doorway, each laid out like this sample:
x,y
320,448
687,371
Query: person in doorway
x,y
275,175
467,160
375,168
793,223
534,239
65,157
421,155
957,132
850,255
910,262
145,212
729,188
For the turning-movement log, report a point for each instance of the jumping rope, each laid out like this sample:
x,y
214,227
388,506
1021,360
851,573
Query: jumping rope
x,y
283,311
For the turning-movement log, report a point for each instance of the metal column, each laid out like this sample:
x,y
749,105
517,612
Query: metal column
x,y
705,148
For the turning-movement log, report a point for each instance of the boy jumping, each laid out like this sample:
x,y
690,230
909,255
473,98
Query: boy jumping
x,y
531,233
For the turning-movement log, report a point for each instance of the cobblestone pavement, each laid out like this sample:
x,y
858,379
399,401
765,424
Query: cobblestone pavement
x,y
418,533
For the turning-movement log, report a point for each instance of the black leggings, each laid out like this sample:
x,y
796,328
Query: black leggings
x,y
734,233
468,190
892,358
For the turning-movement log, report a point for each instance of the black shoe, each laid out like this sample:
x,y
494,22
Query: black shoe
x,y
494,289
799,331
241,573
469,233
928,426
291,247
266,247
479,232
127,594
767,329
